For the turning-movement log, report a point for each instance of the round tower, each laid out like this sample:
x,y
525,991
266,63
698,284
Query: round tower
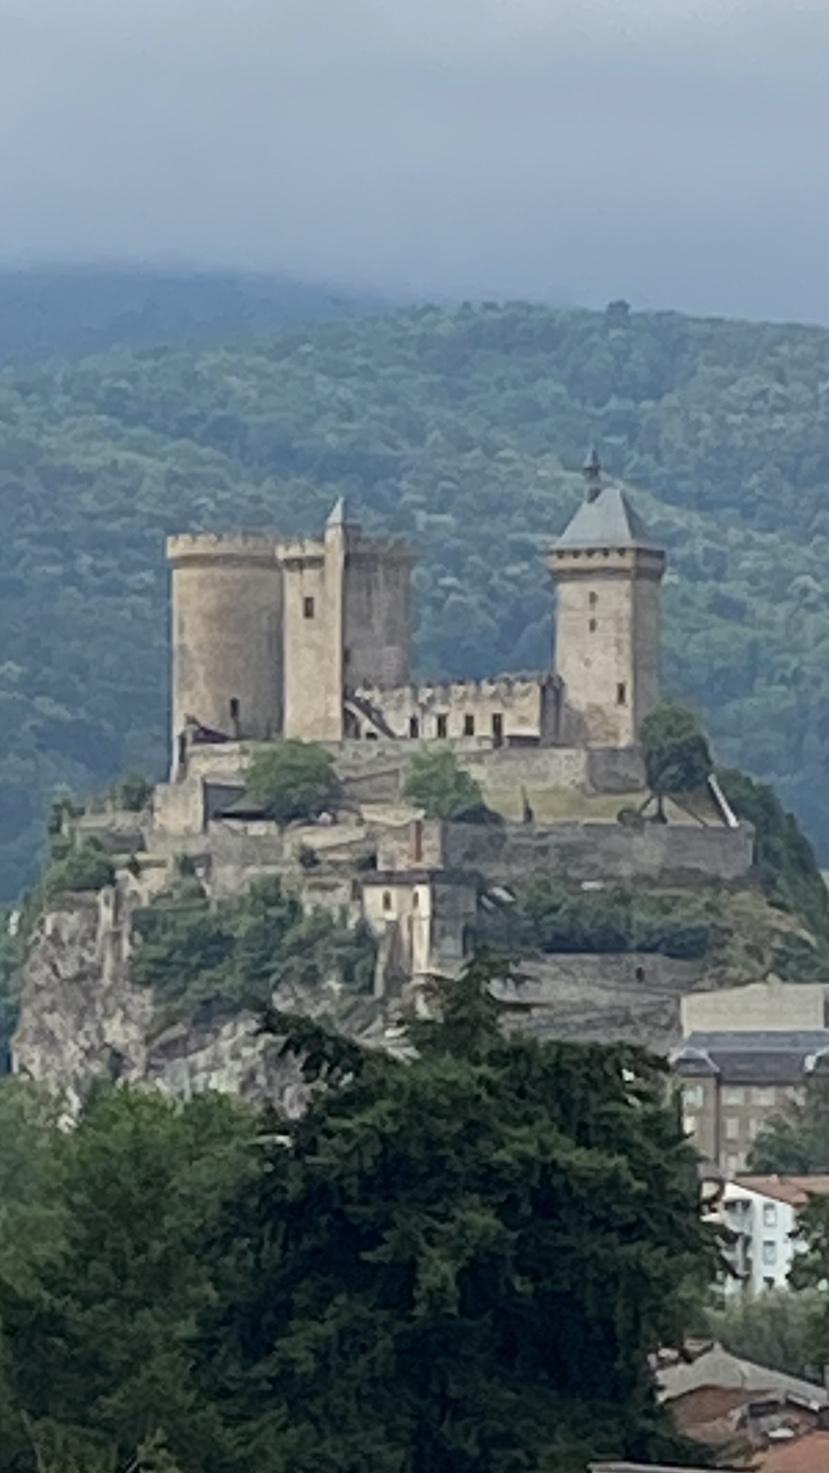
x,y
226,635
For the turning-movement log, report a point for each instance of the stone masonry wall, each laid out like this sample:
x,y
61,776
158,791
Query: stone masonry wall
x,y
596,851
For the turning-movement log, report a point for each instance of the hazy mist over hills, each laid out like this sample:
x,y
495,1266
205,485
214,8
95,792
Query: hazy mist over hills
x,y
571,153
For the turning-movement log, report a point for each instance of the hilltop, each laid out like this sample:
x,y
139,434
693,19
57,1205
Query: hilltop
x,y
461,431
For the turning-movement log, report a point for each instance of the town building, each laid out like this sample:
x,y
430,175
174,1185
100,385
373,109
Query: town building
x,y
734,1081
761,1214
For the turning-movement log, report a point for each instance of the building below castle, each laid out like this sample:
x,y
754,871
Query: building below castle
x,y
311,639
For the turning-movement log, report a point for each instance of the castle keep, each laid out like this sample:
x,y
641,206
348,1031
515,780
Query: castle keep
x,y
311,639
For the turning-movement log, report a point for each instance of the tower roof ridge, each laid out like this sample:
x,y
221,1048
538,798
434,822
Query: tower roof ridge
x,y
608,519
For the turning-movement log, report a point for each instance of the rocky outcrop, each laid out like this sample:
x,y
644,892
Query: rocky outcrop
x,y
81,1019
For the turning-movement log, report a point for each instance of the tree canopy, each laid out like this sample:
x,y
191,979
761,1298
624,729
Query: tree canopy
x,y
677,759
796,1142
462,1260
437,783
293,780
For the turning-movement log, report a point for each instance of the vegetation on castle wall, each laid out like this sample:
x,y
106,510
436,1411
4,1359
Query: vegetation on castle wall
x,y
462,1261
675,751
552,916
451,428
206,959
293,780
77,865
435,782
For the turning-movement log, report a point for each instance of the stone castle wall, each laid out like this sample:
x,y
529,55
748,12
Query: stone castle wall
x,y
602,851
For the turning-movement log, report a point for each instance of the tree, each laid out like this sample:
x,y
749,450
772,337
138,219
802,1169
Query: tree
x,y
774,1329
677,759
93,1357
796,1142
460,1262
84,866
437,784
293,780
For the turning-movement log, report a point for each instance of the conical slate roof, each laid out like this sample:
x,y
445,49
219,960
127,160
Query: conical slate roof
x,y
608,520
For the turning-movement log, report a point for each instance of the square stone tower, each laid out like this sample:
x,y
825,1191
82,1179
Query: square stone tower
x,y
346,621
607,573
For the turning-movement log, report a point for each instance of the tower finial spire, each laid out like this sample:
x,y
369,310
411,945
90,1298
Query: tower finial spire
x,y
592,472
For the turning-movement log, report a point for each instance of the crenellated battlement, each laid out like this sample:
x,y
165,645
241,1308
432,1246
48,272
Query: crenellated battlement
x,y
506,689
200,547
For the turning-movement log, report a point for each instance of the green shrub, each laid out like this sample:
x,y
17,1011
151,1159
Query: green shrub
x,y
134,792
293,780
202,958
83,866
554,917
435,782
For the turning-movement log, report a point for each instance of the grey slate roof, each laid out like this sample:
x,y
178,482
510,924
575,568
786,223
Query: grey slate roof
x,y
609,521
752,1057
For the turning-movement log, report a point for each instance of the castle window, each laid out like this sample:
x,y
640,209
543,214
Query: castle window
x,y
621,693
415,901
593,600
497,730
441,726
234,708
414,727
469,725
308,608
592,626
387,899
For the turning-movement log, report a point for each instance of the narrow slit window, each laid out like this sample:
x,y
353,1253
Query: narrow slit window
x,y
234,708
592,626
621,694
414,727
308,607
441,725
387,900
469,725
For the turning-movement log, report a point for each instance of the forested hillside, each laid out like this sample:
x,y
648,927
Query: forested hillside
x,y
461,430
60,310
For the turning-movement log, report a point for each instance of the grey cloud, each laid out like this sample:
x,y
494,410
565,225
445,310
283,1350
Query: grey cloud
x,y
671,153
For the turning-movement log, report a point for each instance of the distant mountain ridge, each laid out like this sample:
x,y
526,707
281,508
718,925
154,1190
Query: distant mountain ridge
x,y
69,311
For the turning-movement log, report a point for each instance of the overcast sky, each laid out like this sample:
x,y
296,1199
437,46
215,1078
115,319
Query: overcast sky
x,y
673,152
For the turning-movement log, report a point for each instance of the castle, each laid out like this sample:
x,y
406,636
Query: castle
x,y
310,639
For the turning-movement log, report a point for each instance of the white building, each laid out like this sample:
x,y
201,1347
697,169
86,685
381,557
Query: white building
x,y
762,1212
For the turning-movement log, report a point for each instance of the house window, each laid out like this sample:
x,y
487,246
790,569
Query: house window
x,y
689,1124
732,1128
692,1095
440,726
733,1094
769,1253
387,900
469,725
308,607
621,694
592,626
732,1165
763,1096
414,727
769,1214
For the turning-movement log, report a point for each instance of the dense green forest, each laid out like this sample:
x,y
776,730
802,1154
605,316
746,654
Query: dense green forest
x,y
463,1261
46,311
462,430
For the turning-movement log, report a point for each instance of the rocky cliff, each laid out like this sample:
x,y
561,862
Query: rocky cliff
x,y
81,1018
